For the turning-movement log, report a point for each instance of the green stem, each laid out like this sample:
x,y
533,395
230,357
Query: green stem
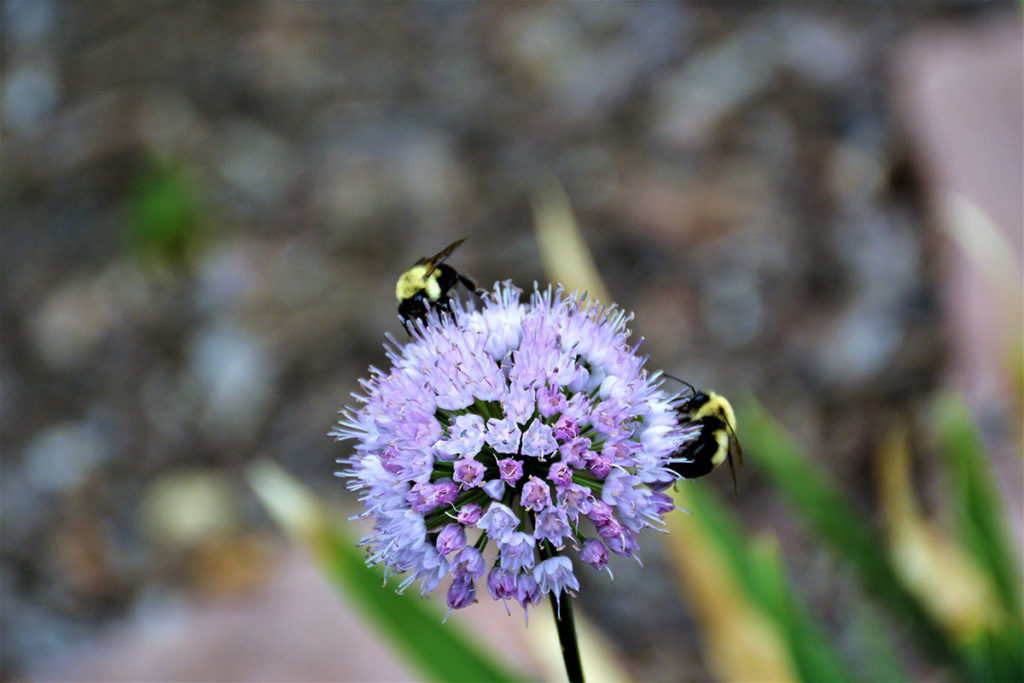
x,y
566,625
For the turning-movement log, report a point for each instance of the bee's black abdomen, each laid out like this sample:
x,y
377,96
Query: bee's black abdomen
x,y
700,453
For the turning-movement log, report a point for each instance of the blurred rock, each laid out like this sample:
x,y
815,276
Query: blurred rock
x,y
234,376
733,307
184,508
826,50
383,166
226,275
60,458
589,62
170,126
257,163
30,94
76,319
591,174
301,275
29,21
882,254
690,102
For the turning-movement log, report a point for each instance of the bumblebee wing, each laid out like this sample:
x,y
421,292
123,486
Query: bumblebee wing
x,y
732,471
438,258
735,450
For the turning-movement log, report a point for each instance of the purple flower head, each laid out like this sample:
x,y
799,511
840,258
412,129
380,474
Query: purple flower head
x,y
575,451
501,585
424,497
520,402
575,500
663,503
469,472
462,593
527,590
553,526
499,521
511,470
536,494
451,538
539,440
554,575
500,433
600,512
469,562
503,435
445,493
469,514
611,528
465,438
623,543
594,553
560,473
516,551
600,466
551,401
494,488
566,428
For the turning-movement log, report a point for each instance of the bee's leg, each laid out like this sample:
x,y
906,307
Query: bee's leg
x,y
410,310
469,284
472,286
443,306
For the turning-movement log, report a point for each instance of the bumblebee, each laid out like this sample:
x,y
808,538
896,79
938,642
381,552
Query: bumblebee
x,y
716,439
426,285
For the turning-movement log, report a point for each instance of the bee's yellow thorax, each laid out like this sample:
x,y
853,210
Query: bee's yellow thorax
x,y
413,281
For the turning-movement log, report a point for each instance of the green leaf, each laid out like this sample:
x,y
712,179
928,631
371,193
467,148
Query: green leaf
x,y
975,501
998,655
759,570
839,523
872,639
440,652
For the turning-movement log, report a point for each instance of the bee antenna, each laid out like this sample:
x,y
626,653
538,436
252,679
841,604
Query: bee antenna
x,y
681,381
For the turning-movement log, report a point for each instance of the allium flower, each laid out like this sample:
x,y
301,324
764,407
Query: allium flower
x,y
505,434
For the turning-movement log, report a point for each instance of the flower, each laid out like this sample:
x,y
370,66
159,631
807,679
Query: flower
x,y
505,434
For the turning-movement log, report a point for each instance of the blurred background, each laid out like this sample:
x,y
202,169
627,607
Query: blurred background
x,y
205,206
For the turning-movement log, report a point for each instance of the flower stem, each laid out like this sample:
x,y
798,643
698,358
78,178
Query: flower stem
x,y
566,625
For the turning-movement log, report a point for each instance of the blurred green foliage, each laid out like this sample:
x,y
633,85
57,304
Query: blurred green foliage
x,y
978,513
163,211
993,649
757,568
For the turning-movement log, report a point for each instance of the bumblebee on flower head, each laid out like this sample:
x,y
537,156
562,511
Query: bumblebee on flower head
x,y
426,286
716,439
